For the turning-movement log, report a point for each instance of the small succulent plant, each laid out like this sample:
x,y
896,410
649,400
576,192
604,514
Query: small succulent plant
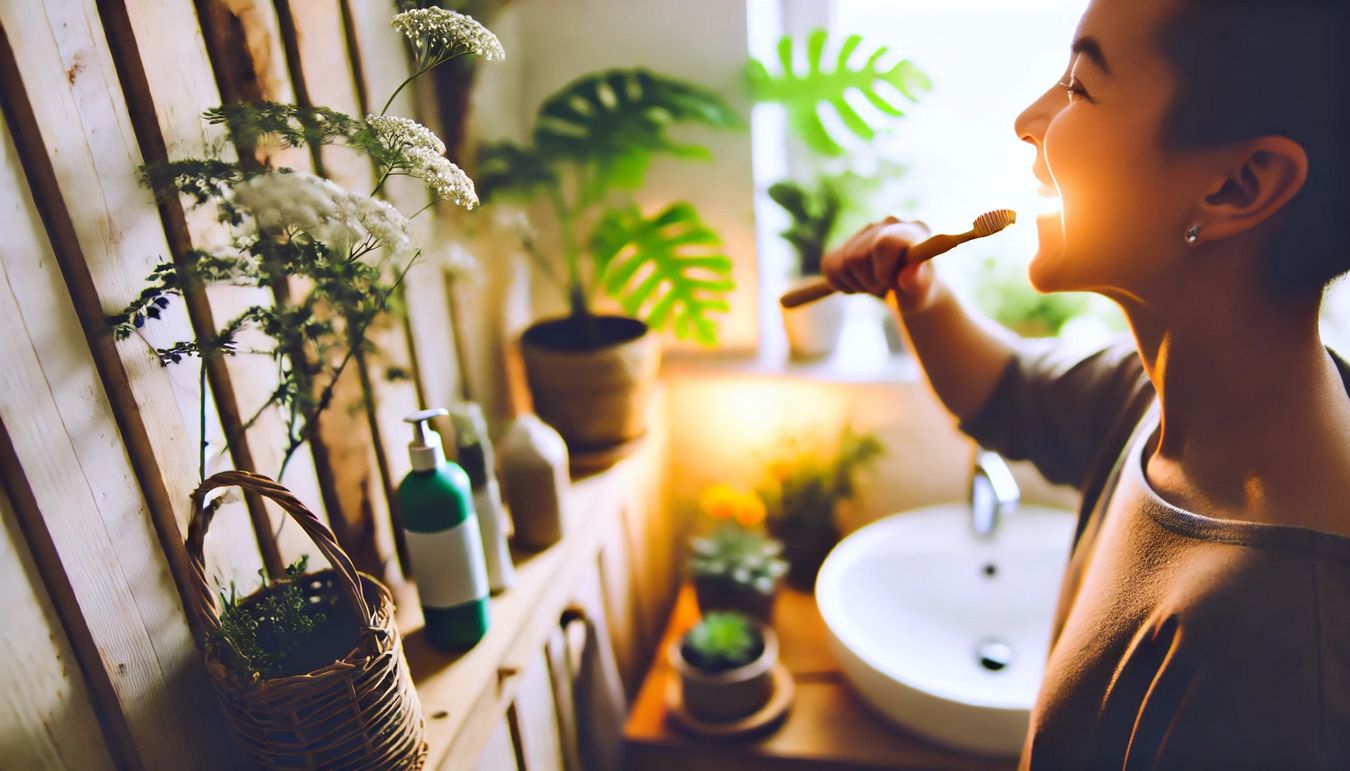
x,y
743,557
722,641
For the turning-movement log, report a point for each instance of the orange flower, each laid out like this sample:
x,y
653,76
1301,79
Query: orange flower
x,y
781,469
719,502
750,510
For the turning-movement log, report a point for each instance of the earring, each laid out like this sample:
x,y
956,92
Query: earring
x,y
1192,234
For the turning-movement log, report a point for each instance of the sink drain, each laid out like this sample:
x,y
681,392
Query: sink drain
x,y
993,655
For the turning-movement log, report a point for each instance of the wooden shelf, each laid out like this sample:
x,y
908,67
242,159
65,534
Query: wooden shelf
x,y
827,727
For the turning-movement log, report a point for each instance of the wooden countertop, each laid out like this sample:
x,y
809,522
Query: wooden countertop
x,y
827,727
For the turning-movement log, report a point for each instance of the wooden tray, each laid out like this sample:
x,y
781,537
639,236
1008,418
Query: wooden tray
x,y
762,719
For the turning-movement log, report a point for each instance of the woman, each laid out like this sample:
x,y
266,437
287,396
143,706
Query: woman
x,y
1198,147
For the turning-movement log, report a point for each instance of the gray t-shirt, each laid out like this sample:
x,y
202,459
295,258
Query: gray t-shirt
x,y
1180,641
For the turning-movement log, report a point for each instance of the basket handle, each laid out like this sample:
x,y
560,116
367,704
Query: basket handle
x,y
313,527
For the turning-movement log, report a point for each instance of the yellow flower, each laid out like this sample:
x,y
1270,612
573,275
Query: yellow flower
x,y
781,469
750,511
719,501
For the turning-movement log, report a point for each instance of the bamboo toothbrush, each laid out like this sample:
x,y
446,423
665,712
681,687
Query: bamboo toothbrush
x,y
986,224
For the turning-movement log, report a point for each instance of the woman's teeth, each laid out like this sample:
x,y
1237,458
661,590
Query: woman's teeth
x,y
1047,205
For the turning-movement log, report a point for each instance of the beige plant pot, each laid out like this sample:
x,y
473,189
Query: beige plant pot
x,y
735,693
813,329
596,397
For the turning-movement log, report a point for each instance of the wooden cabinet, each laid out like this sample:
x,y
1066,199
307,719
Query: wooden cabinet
x,y
555,681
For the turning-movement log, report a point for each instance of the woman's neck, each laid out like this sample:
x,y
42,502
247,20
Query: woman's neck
x,y
1254,411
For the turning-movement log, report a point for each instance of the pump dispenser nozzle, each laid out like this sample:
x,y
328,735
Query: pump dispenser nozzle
x,y
426,451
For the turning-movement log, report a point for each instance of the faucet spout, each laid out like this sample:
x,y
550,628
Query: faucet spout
x,y
993,493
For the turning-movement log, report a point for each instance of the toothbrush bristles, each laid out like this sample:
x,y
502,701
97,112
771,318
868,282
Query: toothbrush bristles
x,y
993,221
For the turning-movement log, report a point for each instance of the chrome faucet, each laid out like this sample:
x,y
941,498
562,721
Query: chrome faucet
x,y
993,493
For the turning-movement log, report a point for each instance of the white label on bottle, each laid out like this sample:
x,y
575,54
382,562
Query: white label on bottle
x,y
448,565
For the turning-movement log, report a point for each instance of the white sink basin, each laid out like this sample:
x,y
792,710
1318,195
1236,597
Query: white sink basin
x,y
920,623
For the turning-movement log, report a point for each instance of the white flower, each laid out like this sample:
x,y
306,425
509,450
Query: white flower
x,y
444,179
324,211
403,133
437,28
459,264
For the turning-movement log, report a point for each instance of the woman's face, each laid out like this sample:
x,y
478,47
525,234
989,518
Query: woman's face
x,y
1124,203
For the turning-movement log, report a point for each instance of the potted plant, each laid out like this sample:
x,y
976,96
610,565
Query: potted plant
x,y
725,664
835,200
803,493
591,373
736,566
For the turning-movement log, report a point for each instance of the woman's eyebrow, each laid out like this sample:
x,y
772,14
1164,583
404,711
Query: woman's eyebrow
x,y
1088,46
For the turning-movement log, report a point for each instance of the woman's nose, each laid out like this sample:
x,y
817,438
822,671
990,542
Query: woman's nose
x,y
1031,124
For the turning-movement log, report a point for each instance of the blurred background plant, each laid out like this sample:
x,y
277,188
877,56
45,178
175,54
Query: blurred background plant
x,y
804,488
1002,291
736,566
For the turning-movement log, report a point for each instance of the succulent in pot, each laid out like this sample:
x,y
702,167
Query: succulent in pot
x,y
726,666
736,566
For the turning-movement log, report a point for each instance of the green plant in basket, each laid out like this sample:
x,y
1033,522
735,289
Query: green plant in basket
x,y
722,641
257,638
592,144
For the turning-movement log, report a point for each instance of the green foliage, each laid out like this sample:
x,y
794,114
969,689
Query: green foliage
x,y
721,641
806,93
1002,291
814,214
593,143
667,268
805,484
742,556
255,638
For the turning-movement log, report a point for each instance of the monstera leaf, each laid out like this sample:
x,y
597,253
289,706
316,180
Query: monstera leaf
x,y
505,169
805,94
667,269
616,121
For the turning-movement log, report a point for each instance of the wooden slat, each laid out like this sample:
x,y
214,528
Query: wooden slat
x,y
498,754
83,497
541,743
322,73
46,710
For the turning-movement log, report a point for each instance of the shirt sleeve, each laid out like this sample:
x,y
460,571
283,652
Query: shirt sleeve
x,y
1054,408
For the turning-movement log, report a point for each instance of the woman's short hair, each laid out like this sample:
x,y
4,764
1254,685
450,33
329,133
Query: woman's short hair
x,y
1250,68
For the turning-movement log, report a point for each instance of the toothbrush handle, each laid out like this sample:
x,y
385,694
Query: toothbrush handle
x,y
920,252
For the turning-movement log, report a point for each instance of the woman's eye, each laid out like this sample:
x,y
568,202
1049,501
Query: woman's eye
x,y
1074,88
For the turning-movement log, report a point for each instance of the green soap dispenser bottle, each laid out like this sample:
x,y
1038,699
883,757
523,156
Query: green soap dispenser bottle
x,y
444,545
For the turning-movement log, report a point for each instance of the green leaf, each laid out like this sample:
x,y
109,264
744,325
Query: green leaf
x,y
668,269
807,94
508,170
616,121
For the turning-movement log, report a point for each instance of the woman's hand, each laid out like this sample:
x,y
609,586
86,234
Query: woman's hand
x,y
873,261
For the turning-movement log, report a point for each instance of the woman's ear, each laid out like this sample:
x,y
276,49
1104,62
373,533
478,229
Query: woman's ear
x,y
1263,176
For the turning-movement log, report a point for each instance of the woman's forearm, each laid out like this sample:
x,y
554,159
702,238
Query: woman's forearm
x,y
962,354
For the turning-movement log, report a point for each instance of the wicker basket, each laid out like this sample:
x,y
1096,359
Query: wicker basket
x,y
358,712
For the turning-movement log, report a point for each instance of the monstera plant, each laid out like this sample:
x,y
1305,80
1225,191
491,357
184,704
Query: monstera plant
x,y
592,144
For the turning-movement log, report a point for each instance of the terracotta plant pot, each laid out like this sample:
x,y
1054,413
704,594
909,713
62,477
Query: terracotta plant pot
x,y
722,593
813,329
731,694
592,379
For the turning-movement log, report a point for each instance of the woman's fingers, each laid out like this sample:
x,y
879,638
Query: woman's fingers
x,y
869,260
